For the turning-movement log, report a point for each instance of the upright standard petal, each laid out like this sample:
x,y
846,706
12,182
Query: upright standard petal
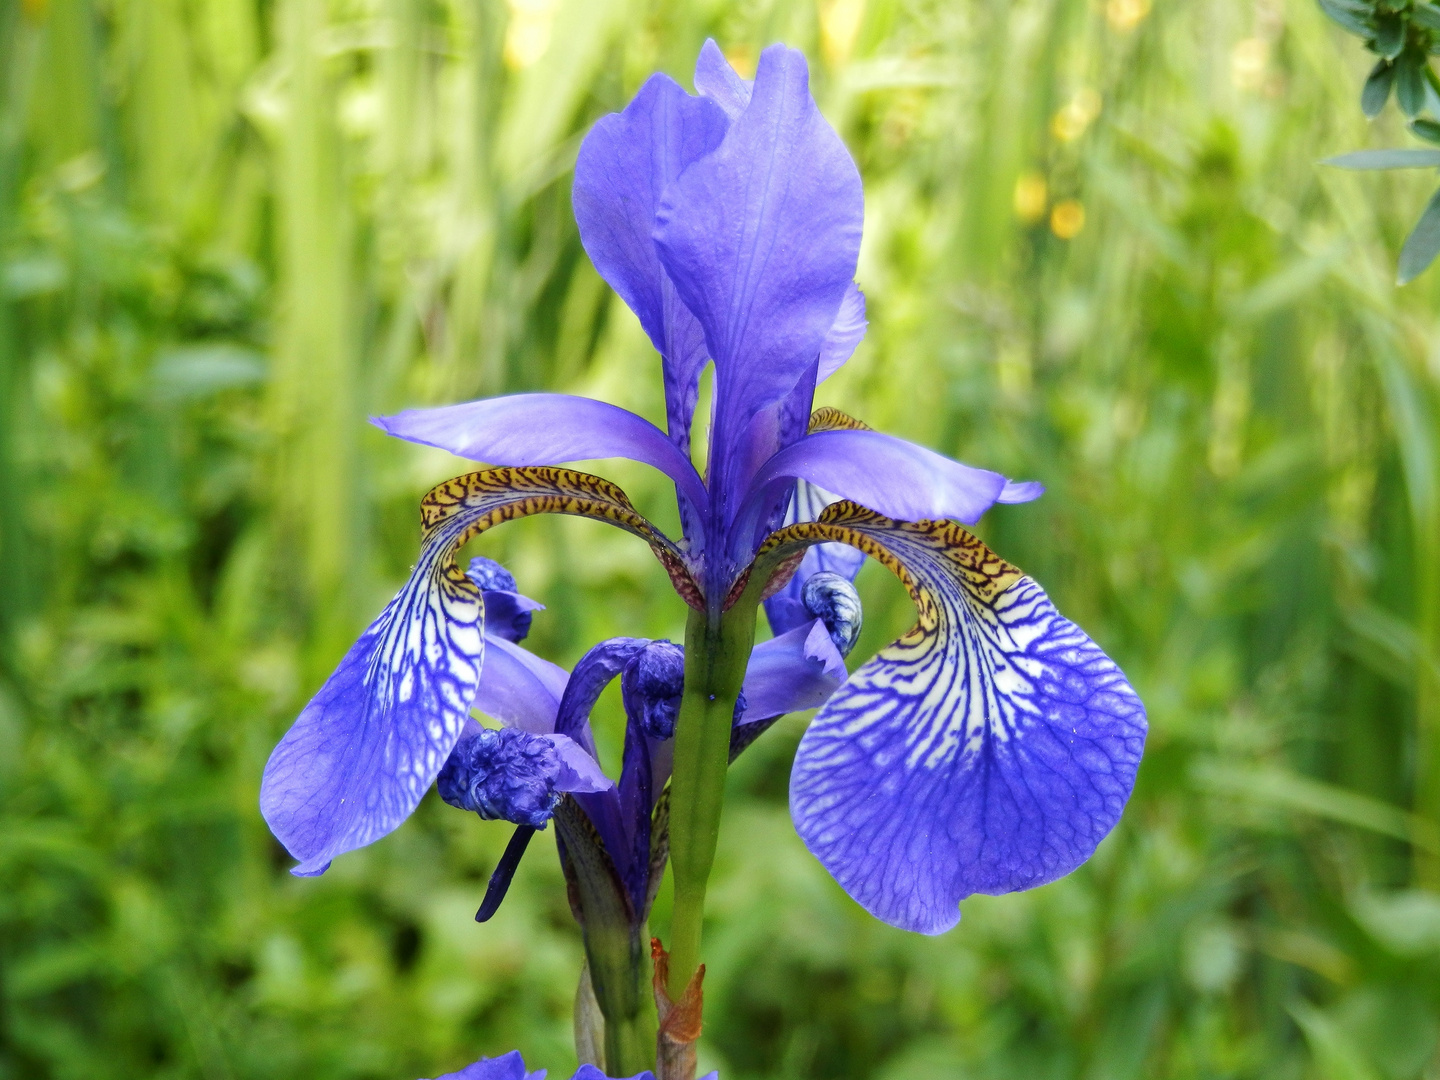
x,y
371,741
786,421
625,164
760,238
718,81
545,429
990,749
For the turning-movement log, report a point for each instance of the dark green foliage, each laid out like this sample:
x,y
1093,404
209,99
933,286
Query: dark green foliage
x,y
1410,83
1357,17
1386,159
1423,243
1426,15
1404,35
1389,34
1376,91
231,230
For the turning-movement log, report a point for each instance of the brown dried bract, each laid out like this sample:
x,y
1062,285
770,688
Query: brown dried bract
x,y
679,1021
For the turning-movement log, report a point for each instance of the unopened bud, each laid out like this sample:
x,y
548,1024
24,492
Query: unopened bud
x,y
833,600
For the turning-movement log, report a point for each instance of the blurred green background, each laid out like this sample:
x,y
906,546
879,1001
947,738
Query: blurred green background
x,y
1098,252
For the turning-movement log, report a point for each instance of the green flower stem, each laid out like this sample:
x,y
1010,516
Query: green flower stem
x,y
717,649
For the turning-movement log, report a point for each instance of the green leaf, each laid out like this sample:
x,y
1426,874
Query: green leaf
x,y
1377,89
1389,35
1386,159
1423,243
1428,130
1352,17
1427,15
1410,84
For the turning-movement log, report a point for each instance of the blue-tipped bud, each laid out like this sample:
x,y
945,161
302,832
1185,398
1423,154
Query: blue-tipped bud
x,y
651,685
505,775
833,600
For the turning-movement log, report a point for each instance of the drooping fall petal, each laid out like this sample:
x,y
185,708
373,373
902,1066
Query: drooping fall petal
x,y
368,745
990,749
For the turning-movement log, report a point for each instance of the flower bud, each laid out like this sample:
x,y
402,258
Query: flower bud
x,y
833,600
651,685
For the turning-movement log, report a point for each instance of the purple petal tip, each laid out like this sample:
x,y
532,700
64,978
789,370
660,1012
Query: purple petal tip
x,y
1019,491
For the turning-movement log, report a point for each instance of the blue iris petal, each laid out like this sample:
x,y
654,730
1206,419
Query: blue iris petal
x,y
512,775
989,750
518,688
760,238
831,598
509,1066
787,609
508,614
845,335
545,429
718,81
488,575
625,164
364,750
798,670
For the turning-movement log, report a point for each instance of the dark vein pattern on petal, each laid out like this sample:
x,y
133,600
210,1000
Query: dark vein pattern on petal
x,y
365,749
990,749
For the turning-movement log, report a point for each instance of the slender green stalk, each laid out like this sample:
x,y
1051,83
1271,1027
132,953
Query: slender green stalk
x,y
717,648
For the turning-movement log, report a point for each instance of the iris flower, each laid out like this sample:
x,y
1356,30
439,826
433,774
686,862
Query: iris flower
x,y
989,749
